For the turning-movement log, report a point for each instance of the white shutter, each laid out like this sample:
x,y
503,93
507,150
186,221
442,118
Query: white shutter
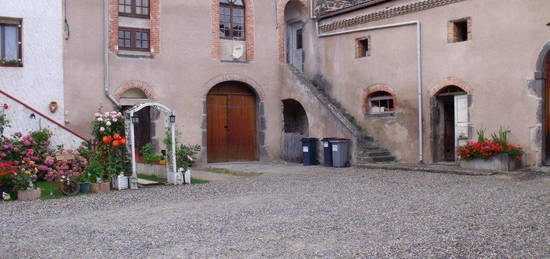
x,y
462,119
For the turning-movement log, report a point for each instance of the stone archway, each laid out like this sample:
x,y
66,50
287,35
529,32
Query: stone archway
x,y
296,127
261,124
281,23
540,87
231,123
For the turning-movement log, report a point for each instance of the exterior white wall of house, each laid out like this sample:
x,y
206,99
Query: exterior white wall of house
x,y
40,80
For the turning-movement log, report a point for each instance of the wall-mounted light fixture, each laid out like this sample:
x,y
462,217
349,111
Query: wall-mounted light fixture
x,y
32,116
172,118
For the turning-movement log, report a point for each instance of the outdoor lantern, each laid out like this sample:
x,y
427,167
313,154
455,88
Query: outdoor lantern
x,y
172,118
135,119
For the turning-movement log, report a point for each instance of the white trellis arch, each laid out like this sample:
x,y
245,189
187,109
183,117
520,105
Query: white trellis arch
x,y
172,117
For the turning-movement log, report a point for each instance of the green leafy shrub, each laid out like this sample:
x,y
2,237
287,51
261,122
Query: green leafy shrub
x,y
149,157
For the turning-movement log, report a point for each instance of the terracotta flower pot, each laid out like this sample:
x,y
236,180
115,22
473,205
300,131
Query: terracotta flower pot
x,y
25,195
100,187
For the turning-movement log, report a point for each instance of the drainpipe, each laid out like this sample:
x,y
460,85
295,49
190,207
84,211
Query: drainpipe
x,y
106,54
418,62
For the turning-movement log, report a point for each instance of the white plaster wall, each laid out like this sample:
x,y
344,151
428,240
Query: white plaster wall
x,y
21,121
40,80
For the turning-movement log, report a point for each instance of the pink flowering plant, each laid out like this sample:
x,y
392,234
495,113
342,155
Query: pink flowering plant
x,y
71,164
107,124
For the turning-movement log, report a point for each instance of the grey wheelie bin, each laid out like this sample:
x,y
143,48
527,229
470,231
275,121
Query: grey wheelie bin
x,y
340,152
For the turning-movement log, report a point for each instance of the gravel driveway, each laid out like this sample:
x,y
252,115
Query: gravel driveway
x,y
291,211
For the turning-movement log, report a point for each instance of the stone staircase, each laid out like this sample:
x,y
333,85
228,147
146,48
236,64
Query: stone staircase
x,y
368,151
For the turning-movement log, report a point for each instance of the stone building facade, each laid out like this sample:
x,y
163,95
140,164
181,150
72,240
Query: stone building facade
x,y
294,68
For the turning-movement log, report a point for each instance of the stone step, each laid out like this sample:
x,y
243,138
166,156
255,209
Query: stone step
x,y
376,159
376,153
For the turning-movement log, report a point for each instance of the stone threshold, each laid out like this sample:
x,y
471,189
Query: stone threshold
x,y
441,168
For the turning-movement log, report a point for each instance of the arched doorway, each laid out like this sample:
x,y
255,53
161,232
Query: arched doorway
x,y
231,123
144,128
450,122
294,34
296,127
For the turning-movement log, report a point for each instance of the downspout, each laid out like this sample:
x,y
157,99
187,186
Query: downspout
x,y
419,69
106,54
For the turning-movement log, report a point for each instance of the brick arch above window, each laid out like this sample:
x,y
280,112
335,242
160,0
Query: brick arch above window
x,y
448,82
135,84
249,29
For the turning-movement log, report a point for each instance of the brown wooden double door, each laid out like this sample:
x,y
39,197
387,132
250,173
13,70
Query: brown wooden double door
x,y
231,123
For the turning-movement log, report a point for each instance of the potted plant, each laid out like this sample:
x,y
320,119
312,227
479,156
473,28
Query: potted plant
x,y
490,154
89,176
25,184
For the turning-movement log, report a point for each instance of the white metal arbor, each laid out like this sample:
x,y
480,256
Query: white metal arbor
x,y
172,121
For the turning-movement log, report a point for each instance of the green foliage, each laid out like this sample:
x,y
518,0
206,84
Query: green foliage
x,y
92,172
480,135
185,155
25,179
500,137
149,157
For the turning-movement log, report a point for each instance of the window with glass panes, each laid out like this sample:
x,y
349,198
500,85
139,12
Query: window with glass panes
x,y
232,20
10,43
133,39
135,8
380,102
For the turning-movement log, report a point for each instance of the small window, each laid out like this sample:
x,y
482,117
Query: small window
x,y
299,39
380,102
459,30
232,19
134,8
133,39
362,48
10,43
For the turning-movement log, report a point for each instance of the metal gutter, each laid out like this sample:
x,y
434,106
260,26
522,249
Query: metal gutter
x,y
419,68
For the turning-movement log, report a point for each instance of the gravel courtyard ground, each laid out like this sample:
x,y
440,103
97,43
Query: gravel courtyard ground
x,y
291,211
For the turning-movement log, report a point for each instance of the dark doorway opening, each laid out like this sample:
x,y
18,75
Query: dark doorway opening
x,y
296,127
449,122
142,130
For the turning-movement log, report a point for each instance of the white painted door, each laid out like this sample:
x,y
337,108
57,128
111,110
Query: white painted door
x,y
295,54
462,120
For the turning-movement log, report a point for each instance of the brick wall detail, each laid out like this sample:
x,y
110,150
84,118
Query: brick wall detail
x,y
249,29
154,29
281,5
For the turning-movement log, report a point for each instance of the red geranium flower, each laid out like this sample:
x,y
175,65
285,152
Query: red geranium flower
x,y
6,106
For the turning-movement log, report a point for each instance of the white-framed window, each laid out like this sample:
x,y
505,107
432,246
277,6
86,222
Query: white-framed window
x,y
10,42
